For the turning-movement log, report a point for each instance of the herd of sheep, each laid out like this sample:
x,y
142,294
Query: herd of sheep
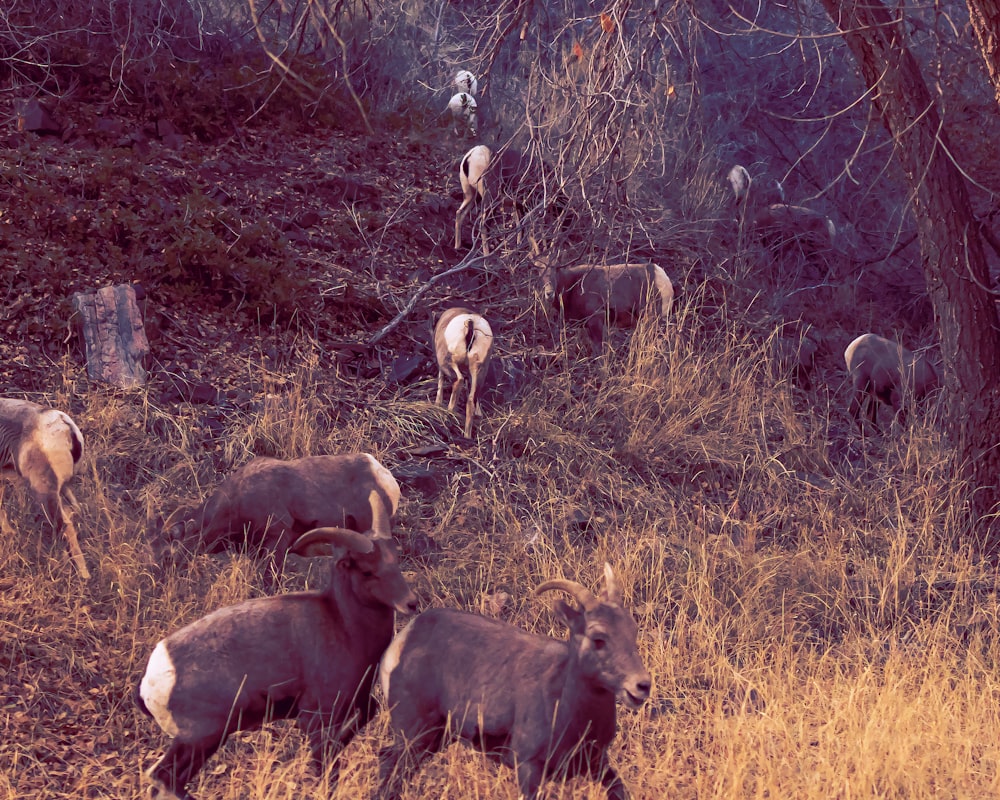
x,y
542,705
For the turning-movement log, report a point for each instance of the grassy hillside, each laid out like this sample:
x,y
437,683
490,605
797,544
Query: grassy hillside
x,y
809,634
811,629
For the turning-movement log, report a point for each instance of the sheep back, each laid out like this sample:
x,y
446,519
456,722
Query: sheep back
x,y
268,657
618,292
276,497
488,678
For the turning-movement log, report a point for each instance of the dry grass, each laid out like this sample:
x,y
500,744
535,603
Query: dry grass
x,y
778,566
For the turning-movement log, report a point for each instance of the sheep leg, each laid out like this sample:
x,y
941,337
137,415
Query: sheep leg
x,y
47,495
898,403
455,387
595,330
873,402
5,526
484,214
178,766
326,740
529,778
470,403
863,394
273,549
854,409
460,215
397,762
439,400
613,784
69,531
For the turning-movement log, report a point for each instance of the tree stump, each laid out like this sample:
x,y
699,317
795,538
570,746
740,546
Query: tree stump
x,y
113,334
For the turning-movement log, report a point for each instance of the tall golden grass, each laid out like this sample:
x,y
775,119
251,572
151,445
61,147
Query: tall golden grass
x,y
811,632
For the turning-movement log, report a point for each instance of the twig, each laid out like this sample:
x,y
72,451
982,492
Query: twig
x,y
465,263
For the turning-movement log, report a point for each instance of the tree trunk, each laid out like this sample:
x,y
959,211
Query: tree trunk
x,y
954,263
985,18
113,335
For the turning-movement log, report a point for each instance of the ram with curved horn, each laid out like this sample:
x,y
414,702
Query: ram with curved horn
x,y
307,656
543,705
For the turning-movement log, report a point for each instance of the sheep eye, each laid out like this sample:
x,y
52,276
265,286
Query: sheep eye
x,y
600,642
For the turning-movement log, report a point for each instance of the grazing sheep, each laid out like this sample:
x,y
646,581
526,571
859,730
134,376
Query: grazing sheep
x,y
775,221
309,656
43,446
462,338
883,371
464,110
795,355
507,177
597,293
268,502
466,82
544,706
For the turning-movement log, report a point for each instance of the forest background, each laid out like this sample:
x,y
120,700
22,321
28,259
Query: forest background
x,y
817,607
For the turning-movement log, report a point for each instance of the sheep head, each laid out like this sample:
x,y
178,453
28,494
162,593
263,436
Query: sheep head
x,y
603,636
369,564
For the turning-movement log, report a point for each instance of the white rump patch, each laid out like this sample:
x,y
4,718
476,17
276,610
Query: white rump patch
x,y
454,334
465,81
386,481
156,687
851,348
390,659
666,289
476,162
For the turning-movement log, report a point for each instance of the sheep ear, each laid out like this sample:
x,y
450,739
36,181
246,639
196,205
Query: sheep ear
x,y
612,591
573,617
326,541
739,179
178,517
381,527
536,251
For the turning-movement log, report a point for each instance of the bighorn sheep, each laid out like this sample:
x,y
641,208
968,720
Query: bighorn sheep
x,y
883,371
464,110
462,338
268,502
466,82
775,221
311,656
43,446
496,178
596,293
543,705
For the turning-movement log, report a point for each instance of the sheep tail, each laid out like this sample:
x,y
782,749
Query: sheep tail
x,y
139,702
470,333
77,447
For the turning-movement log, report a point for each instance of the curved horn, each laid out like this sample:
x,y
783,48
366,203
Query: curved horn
x,y
612,591
381,527
312,543
581,593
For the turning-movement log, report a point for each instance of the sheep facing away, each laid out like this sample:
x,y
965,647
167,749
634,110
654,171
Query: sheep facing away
x,y
466,82
499,178
778,223
541,705
268,502
597,293
44,446
464,112
462,338
309,656
883,371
